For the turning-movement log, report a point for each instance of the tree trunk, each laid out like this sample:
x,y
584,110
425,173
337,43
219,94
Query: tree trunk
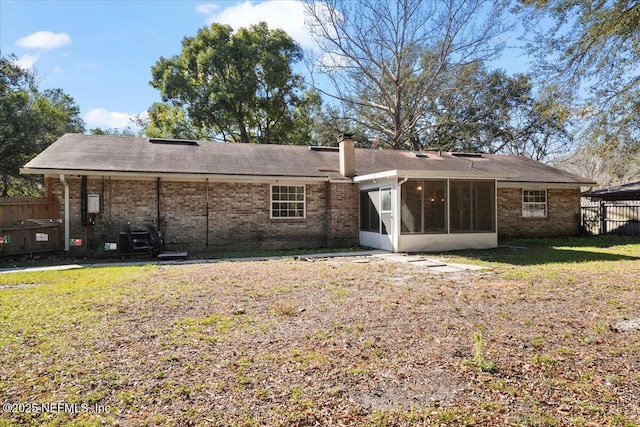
x,y
5,185
244,135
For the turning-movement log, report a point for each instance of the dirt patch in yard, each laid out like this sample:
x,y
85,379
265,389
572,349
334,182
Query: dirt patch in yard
x,y
337,342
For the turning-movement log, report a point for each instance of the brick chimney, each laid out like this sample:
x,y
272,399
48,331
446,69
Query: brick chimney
x,y
347,155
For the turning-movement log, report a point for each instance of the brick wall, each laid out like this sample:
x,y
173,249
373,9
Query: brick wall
x,y
563,214
236,217
343,215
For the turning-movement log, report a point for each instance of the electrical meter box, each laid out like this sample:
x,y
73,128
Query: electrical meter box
x,y
93,203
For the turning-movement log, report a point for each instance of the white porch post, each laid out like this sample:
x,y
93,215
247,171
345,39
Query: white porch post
x,y
397,214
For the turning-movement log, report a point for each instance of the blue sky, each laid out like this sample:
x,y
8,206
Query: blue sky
x,y
101,52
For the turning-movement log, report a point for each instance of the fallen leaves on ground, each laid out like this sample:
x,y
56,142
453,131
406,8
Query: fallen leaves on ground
x,y
333,342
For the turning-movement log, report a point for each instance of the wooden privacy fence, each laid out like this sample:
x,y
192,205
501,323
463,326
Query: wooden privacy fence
x,y
29,225
621,218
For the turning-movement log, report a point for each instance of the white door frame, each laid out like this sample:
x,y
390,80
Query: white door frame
x,y
387,218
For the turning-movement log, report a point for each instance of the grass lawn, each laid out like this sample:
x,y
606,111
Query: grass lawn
x,y
531,341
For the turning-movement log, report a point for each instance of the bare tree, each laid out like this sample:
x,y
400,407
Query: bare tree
x,y
615,167
383,58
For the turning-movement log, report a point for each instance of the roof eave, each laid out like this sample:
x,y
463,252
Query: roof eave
x,y
433,174
544,184
183,176
612,196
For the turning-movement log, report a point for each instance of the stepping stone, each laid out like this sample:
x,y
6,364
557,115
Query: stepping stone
x,y
429,263
467,266
444,269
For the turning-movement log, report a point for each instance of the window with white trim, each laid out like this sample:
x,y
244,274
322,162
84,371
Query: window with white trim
x,y
287,201
534,203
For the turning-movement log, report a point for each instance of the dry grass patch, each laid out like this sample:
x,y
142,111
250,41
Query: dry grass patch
x,y
329,342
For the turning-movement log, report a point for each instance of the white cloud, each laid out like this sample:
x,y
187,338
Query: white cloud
x,y
207,9
26,62
44,40
287,15
102,118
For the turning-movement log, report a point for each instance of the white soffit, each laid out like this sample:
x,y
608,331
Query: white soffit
x,y
433,174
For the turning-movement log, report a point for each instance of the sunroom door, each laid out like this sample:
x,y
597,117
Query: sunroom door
x,y
386,219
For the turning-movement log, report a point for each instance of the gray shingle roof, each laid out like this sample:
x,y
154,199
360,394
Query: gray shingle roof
x,y
630,191
80,154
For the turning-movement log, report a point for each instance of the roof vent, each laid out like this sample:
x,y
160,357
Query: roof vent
x,y
420,154
476,155
322,148
173,141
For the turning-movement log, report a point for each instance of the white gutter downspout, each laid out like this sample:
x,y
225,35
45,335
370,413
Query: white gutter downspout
x,y
66,212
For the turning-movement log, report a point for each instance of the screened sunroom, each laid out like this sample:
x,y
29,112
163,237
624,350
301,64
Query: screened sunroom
x,y
412,211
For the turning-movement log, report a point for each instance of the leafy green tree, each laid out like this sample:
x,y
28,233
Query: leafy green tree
x,y
29,122
235,86
57,114
492,112
546,121
478,116
114,132
583,39
169,121
16,114
591,49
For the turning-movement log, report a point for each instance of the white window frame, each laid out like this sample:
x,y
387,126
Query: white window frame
x,y
286,201
534,203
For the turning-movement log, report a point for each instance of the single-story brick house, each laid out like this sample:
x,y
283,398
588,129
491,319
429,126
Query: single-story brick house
x,y
219,196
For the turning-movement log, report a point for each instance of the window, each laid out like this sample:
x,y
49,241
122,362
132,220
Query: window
x,y
434,206
411,210
472,206
534,203
375,210
385,209
385,193
423,206
369,212
287,201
